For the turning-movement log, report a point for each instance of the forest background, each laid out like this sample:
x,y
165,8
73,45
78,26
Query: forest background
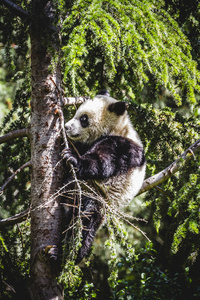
x,y
146,53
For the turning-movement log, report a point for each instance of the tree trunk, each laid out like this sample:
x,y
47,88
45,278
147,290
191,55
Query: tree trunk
x,y
45,154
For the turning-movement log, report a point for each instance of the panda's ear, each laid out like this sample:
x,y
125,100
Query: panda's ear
x,y
118,108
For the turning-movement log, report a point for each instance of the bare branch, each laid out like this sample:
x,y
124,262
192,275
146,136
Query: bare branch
x,y
13,135
16,9
171,169
28,164
18,218
74,100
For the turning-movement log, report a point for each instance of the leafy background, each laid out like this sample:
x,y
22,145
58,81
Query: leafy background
x,y
146,53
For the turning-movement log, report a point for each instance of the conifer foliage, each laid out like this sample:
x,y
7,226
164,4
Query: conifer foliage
x,y
51,51
123,43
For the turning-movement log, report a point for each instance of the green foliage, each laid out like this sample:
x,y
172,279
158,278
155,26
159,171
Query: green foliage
x,y
75,284
16,66
16,154
175,205
127,47
14,260
6,87
187,15
141,278
123,44
187,202
15,96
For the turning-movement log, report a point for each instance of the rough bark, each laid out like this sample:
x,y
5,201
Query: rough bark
x,y
45,154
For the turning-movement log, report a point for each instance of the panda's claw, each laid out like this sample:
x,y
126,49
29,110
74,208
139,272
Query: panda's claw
x,y
66,152
69,156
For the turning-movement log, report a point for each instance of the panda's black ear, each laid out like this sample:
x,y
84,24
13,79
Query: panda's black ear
x,y
118,108
104,93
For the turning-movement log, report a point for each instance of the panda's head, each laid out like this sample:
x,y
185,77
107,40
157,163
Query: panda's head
x,y
98,117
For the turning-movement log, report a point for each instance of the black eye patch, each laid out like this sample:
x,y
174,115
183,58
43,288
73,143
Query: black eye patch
x,y
84,121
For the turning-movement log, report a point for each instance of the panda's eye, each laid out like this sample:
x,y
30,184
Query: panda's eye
x,y
84,121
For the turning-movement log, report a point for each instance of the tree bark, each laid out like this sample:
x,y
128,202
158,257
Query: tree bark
x,y
45,154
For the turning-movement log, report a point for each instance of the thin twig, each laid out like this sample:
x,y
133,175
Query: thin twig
x,y
18,218
133,225
28,164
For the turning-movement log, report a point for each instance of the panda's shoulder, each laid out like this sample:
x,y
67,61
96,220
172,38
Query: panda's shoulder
x,y
116,143
82,147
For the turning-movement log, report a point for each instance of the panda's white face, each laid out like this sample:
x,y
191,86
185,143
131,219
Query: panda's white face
x,y
93,119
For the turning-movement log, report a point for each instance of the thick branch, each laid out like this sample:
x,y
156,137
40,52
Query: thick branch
x,y
28,164
170,170
16,9
13,135
18,218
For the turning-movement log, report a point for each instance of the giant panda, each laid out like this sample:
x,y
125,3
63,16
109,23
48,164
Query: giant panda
x,y
110,153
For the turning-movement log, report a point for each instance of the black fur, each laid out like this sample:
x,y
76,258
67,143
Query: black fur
x,y
91,221
118,108
104,93
84,121
108,156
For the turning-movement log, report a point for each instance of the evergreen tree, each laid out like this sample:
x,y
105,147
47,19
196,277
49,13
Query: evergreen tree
x,y
66,49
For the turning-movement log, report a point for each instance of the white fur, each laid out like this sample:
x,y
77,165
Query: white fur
x,y
119,189
122,189
102,122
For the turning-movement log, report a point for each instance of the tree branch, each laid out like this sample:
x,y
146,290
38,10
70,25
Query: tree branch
x,y
171,169
74,100
16,9
28,164
13,135
18,218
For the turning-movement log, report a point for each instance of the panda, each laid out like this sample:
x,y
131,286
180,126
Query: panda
x,y
110,153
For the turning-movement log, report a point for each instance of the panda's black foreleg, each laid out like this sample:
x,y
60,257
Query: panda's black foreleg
x,y
107,157
91,165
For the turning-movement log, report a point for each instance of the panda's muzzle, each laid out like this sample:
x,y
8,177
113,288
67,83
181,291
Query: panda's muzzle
x,y
70,132
74,136
70,129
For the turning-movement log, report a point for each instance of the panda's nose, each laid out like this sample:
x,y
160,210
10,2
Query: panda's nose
x,y
67,127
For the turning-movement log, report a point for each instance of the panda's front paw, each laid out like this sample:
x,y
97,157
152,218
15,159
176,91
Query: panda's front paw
x,y
69,156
